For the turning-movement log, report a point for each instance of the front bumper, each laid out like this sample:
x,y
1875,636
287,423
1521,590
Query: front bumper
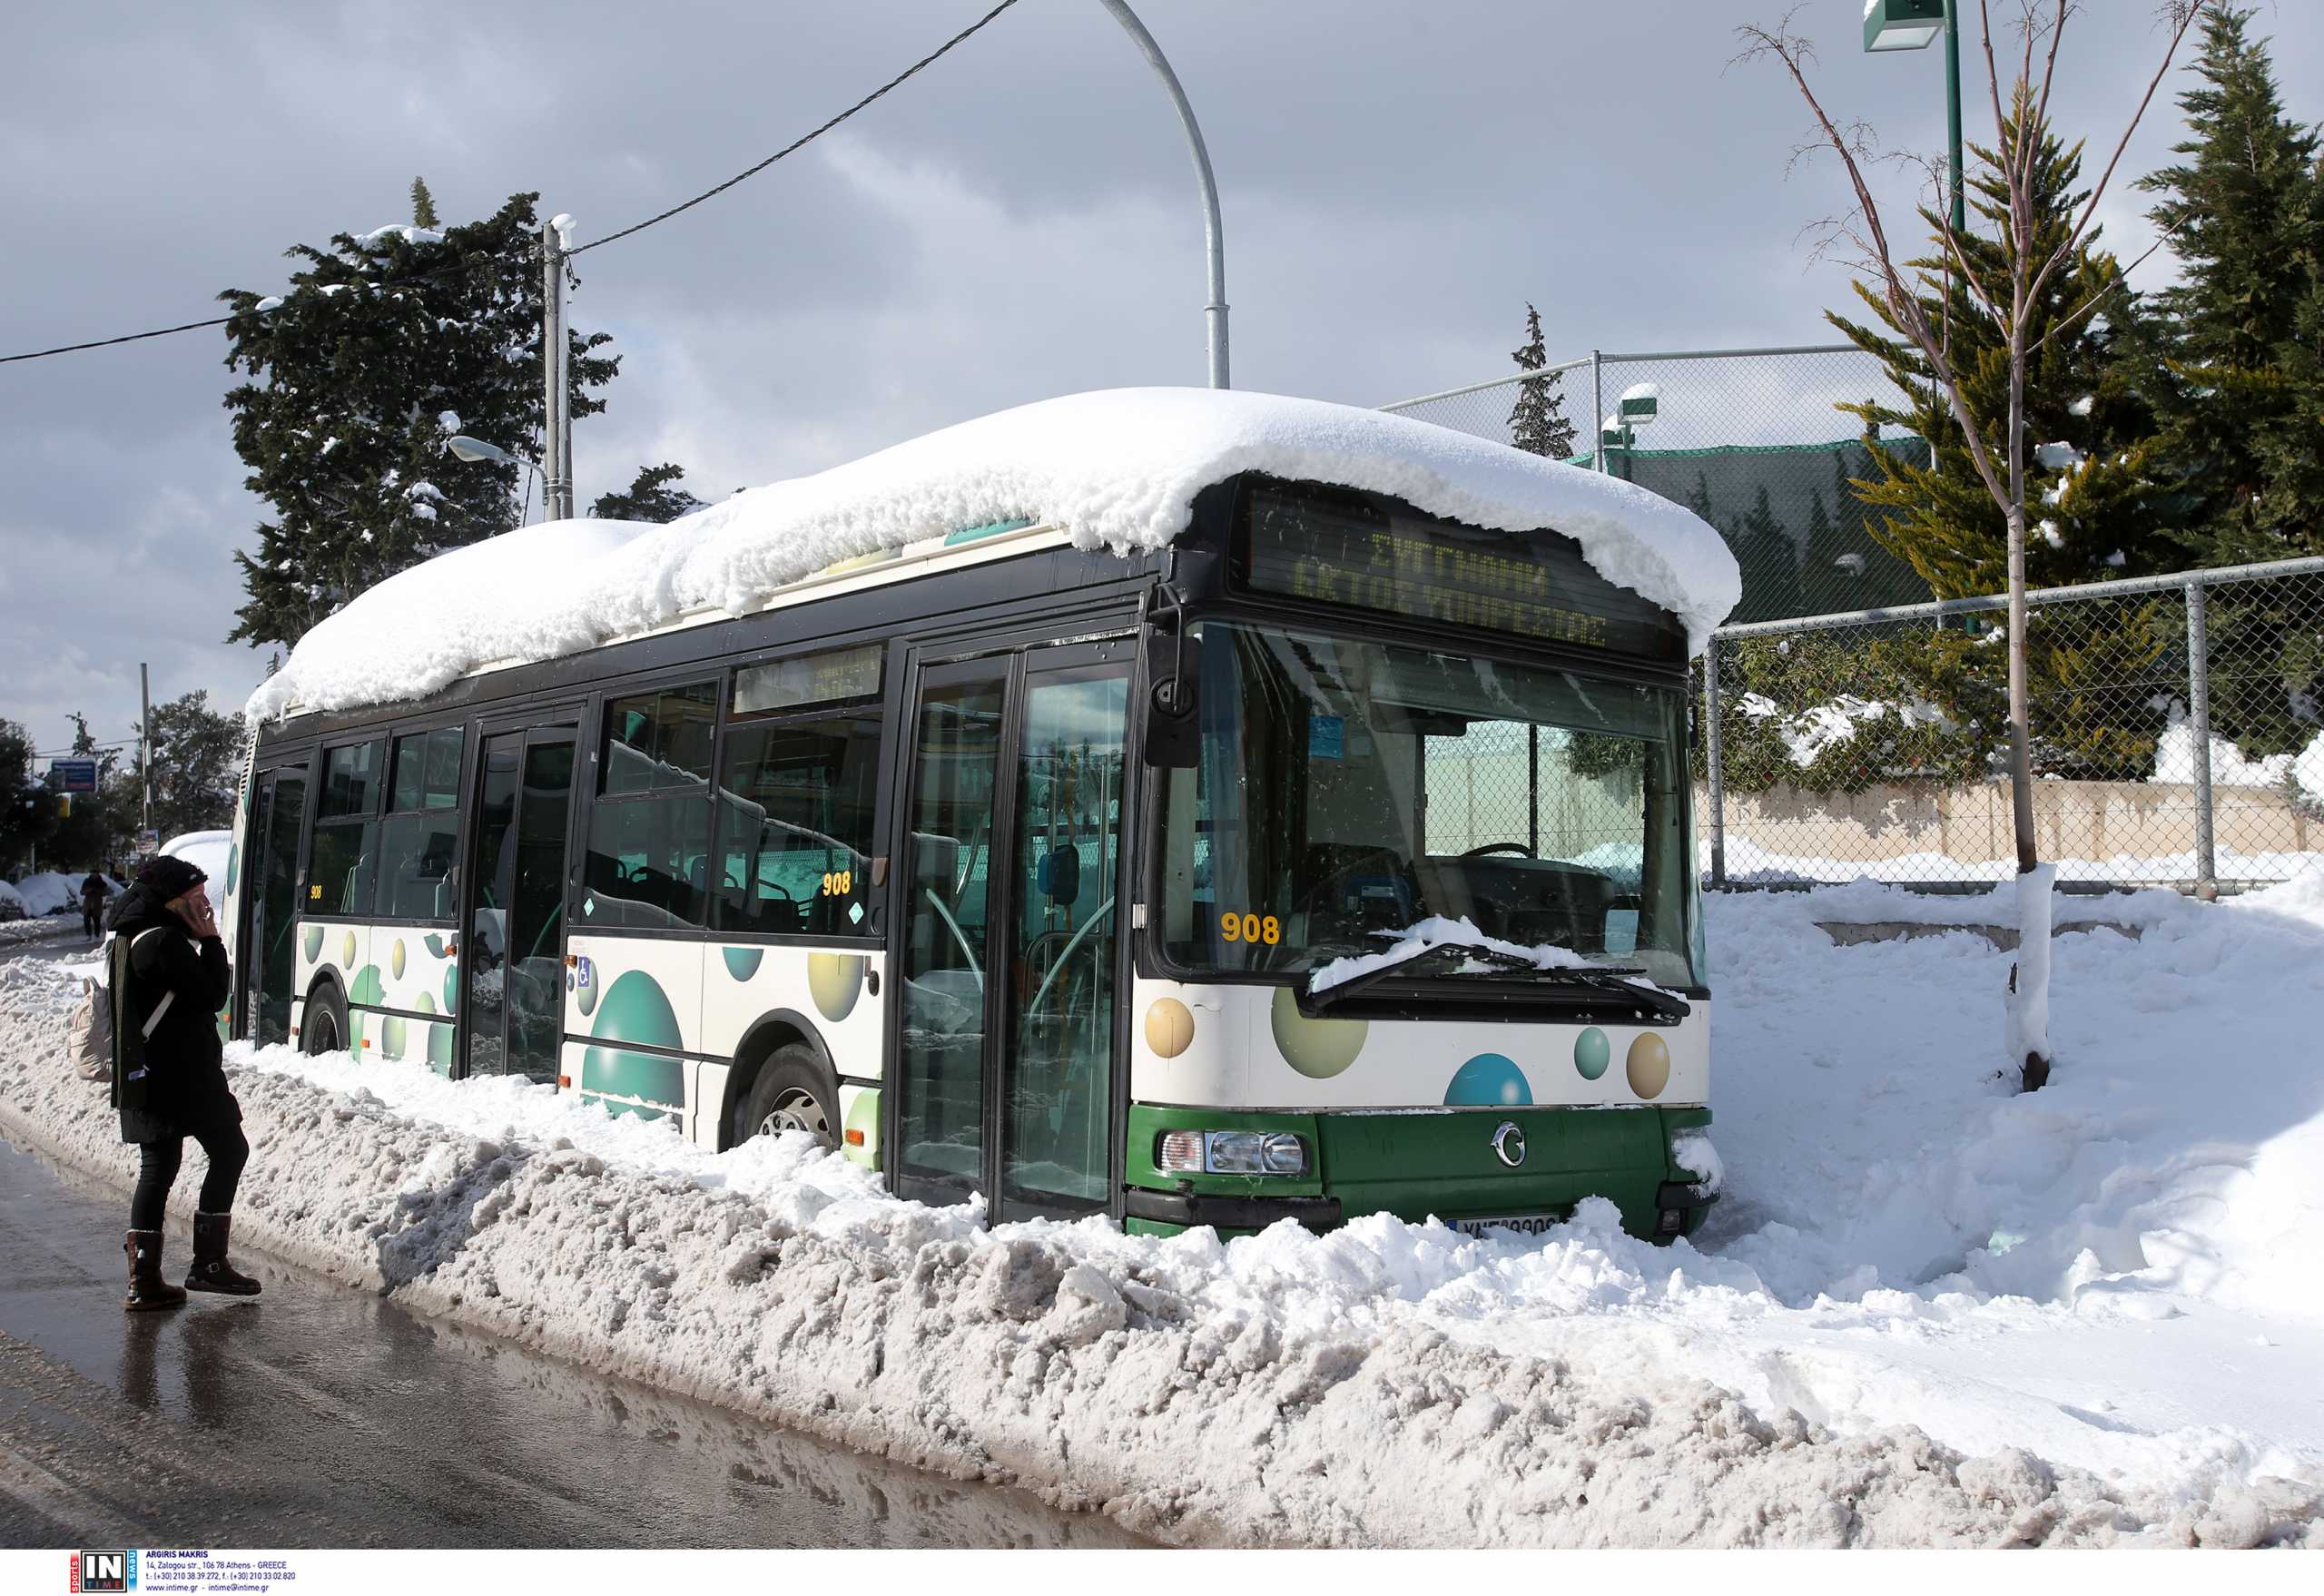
x,y
1429,1164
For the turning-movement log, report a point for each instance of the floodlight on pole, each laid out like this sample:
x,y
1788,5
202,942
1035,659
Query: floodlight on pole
x,y
1913,25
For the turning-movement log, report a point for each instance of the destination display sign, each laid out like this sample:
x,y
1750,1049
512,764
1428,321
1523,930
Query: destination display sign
x,y
1365,552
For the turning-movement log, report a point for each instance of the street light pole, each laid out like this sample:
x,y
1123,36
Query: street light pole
x,y
1215,313
1953,108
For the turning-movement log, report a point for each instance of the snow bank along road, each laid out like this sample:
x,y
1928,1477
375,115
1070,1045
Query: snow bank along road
x,y
1929,1313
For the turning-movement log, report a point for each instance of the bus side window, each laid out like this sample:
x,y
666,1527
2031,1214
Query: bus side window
x,y
797,788
346,842
420,837
648,861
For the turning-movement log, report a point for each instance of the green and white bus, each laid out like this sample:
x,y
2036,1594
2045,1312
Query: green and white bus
x,y
1121,882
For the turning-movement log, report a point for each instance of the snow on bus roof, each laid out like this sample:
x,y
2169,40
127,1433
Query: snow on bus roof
x,y
1116,469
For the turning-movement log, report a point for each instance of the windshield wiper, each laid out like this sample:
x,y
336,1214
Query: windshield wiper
x,y
1357,983
1606,978
1615,977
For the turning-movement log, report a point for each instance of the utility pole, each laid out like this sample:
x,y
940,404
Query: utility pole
x,y
145,745
1214,234
556,432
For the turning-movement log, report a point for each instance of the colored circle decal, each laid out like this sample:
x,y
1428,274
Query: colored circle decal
x,y
586,998
311,938
233,865
834,981
395,960
1648,1065
424,1004
1489,1080
346,951
452,988
1169,1028
1591,1053
1316,1048
439,1047
742,963
391,1036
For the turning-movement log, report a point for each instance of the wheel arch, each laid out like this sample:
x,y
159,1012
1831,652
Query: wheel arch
x,y
325,979
771,1032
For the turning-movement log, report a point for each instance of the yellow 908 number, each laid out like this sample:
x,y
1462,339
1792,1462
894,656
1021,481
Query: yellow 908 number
x,y
1250,927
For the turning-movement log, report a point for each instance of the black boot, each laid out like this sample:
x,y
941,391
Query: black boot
x,y
147,1289
210,1271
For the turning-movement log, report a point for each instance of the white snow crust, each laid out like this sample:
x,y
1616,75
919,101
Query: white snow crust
x,y
1116,469
1926,1311
1434,931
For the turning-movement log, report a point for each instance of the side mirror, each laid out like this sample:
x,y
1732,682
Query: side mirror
x,y
1170,664
1060,874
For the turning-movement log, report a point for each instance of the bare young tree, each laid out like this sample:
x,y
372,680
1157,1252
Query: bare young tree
x,y
1861,235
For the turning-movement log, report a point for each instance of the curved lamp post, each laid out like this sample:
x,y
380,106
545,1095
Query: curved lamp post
x,y
1215,313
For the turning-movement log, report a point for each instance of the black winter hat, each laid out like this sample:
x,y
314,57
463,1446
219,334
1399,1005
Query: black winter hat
x,y
168,876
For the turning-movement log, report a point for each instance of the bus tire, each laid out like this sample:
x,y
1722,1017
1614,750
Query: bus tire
x,y
792,1093
324,1028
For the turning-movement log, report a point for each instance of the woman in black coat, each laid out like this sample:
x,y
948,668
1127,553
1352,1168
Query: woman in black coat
x,y
171,979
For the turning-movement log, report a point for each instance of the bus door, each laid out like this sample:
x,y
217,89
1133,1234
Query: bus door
x,y
1005,1049
512,918
266,939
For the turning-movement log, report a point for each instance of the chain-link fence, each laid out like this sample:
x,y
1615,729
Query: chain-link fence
x,y
1752,440
2177,731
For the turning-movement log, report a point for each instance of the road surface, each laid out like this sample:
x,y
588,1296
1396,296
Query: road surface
x,y
317,1416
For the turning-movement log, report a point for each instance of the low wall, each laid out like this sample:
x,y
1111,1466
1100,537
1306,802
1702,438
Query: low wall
x,y
2142,831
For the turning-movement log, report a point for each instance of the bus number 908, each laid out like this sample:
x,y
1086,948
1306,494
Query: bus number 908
x,y
1250,927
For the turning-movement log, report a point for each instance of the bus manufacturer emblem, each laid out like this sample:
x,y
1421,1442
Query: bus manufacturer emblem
x,y
1509,1144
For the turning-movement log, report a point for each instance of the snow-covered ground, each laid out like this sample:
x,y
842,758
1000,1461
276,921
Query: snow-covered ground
x,y
1926,1311
49,892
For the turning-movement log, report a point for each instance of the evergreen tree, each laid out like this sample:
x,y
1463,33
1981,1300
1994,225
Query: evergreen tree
x,y
2090,432
423,204
1539,424
2244,408
1770,563
28,810
385,345
1866,574
650,498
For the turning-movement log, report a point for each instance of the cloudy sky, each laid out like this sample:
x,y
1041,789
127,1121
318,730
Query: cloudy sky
x,y
1399,178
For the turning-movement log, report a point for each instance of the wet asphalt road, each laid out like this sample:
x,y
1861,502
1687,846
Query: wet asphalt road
x,y
317,1416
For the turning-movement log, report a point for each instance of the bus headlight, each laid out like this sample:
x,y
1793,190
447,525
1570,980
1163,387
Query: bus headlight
x,y
1230,1152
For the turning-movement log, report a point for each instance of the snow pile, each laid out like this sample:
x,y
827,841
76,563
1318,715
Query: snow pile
x,y
1118,470
1437,932
1808,735
51,892
11,905
2175,761
1926,1311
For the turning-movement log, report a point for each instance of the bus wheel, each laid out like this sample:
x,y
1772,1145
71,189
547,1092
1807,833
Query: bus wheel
x,y
325,1027
792,1093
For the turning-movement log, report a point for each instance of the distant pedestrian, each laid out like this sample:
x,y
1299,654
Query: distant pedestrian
x,y
170,979
94,893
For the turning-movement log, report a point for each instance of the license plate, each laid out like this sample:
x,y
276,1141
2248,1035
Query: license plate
x,y
1524,1224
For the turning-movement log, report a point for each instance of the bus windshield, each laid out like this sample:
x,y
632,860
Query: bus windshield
x,y
1347,790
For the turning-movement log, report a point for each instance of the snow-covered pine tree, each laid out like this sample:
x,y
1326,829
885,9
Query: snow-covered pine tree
x,y
2243,405
649,497
2089,429
1538,425
384,345
423,204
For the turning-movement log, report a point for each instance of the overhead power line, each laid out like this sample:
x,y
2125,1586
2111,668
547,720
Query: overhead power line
x,y
805,140
791,148
125,337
